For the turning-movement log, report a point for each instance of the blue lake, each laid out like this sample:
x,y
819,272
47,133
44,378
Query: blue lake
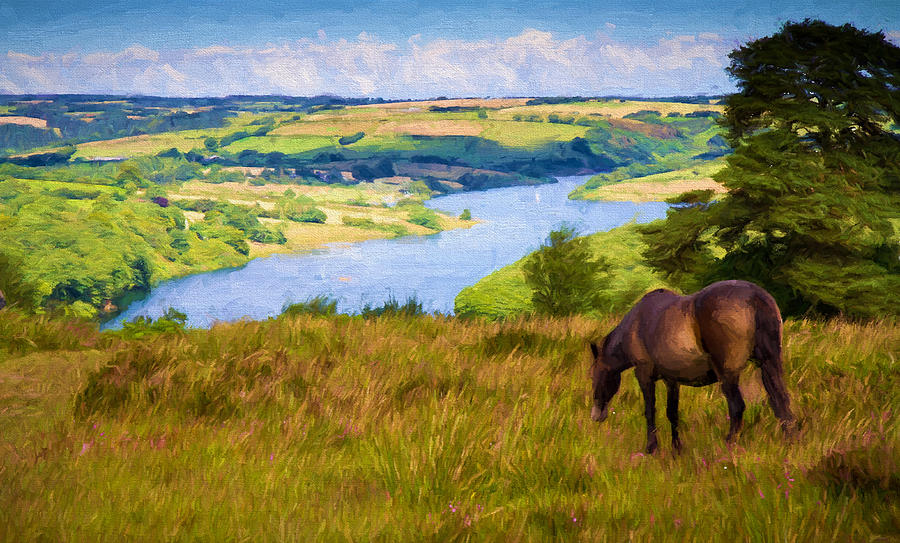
x,y
514,221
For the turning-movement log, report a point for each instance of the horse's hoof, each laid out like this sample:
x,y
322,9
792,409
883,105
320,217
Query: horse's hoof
x,y
790,429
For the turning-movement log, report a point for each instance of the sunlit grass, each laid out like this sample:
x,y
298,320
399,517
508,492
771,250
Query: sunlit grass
x,y
657,187
51,185
608,108
426,428
530,135
282,144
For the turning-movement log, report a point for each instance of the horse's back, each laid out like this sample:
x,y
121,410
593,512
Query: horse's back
x,y
729,315
667,337
684,337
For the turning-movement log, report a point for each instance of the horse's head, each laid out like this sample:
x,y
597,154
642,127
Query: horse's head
x,y
606,383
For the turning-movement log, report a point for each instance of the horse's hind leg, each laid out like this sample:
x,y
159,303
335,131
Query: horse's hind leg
x,y
672,412
727,363
735,405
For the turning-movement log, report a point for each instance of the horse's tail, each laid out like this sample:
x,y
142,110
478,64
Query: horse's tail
x,y
767,353
767,345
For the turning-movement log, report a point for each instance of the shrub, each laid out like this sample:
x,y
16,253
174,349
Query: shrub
x,y
363,222
267,235
75,193
359,222
424,217
172,321
392,307
564,275
347,140
311,214
319,306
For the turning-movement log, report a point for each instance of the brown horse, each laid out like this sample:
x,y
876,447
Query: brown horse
x,y
694,340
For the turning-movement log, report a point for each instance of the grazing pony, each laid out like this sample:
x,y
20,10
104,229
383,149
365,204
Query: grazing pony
x,y
694,340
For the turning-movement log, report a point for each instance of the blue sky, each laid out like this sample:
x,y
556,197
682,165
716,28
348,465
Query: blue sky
x,y
392,48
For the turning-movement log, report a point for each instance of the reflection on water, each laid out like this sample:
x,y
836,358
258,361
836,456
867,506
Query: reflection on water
x,y
514,222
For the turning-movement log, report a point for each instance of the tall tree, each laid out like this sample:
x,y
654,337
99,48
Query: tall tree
x,y
813,208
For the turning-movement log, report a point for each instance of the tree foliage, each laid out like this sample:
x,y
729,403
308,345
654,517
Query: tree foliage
x,y
814,183
73,255
565,276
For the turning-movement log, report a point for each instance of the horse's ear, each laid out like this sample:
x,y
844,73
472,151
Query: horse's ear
x,y
595,350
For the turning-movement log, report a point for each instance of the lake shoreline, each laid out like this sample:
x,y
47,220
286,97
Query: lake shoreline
x,y
513,222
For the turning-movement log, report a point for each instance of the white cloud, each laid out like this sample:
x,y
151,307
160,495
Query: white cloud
x,y
532,63
22,57
214,50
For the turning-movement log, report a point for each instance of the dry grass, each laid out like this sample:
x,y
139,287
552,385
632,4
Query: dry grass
x,y
638,191
27,121
446,127
492,103
316,126
610,109
435,429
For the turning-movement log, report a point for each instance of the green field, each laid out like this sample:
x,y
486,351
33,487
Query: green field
x,y
51,185
184,141
427,429
282,144
529,135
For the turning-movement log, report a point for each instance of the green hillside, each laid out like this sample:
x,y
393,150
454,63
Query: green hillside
x,y
504,294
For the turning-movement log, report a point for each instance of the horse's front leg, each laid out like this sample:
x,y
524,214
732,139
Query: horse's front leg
x,y
648,389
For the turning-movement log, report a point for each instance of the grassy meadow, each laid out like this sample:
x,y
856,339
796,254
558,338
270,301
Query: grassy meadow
x,y
426,428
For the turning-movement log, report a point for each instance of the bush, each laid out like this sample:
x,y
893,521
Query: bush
x,y
267,235
311,214
75,193
554,118
172,321
359,222
320,306
16,290
347,140
362,222
564,275
392,307
424,217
